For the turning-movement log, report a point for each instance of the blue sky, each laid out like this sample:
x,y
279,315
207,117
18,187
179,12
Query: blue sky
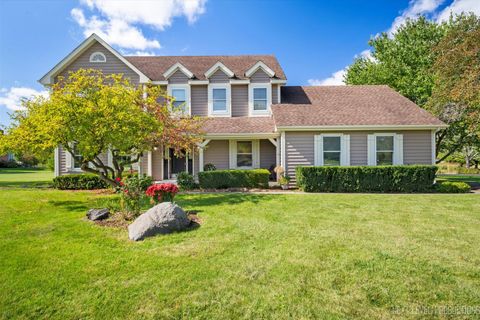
x,y
313,40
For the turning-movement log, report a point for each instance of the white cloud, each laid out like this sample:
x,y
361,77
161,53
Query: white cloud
x,y
118,21
414,9
12,98
459,6
335,79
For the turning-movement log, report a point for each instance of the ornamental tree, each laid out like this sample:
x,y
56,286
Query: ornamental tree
x,y
95,113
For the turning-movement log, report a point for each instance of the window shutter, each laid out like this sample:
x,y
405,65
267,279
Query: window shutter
x,y
232,154
371,152
345,150
398,149
318,150
256,154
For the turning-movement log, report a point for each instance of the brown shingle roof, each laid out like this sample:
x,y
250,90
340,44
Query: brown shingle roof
x,y
155,66
226,125
360,105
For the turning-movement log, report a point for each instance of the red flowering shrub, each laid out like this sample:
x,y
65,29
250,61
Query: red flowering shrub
x,y
162,192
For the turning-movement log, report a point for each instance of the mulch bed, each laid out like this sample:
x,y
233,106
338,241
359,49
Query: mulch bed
x,y
119,220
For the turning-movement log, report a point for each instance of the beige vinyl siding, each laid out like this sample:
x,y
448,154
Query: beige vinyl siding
x,y
219,77
157,164
196,166
358,149
217,152
111,66
63,160
268,154
239,100
144,163
178,77
275,94
199,103
417,148
259,77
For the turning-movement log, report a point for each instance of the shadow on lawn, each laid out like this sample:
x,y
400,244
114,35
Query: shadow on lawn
x,y
205,200
70,204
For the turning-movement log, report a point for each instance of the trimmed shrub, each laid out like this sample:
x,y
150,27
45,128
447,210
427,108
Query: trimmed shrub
x,y
222,179
209,167
9,164
185,181
416,178
453,187
79,182
463,170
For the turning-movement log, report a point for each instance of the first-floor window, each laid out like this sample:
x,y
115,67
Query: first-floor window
x,y
331,151
77,157
384,150
244,154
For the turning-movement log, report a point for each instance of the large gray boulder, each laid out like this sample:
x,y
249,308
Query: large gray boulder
x,y
98,214
163,218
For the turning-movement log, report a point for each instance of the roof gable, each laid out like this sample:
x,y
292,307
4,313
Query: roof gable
x,y
49,77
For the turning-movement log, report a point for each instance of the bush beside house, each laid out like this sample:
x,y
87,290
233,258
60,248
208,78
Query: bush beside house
x,y
222,179
79,182
453,187
417,178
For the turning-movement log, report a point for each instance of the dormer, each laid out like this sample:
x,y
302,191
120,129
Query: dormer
x,y
219,90
259,89
178,67
219,66
260,66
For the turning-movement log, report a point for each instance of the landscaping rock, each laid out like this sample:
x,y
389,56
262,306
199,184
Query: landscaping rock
x,y
164,218
98,214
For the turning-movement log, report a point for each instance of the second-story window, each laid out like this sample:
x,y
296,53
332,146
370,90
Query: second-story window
x,y
219,100
259,99
180,99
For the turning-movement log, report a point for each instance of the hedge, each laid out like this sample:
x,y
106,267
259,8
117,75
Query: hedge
x,y
453,187
417,178
222,179
79,182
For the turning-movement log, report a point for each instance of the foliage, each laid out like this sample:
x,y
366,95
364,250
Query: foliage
x,y
402,61
94,113
284,180
79,182
209,167
186,181
452,187
163,192
456,94
8,164
366,178
222,179
28,160
132,190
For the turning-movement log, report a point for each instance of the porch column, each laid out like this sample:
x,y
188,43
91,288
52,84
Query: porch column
x,y
200,154
149,164
282,151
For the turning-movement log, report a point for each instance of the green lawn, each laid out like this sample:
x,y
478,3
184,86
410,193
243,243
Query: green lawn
x,y
472,179
21,177
331,256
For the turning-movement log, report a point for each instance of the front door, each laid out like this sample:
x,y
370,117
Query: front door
x,y
178,164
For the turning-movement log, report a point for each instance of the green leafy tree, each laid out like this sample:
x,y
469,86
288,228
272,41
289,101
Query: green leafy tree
x,y
95,113
402,61
456,93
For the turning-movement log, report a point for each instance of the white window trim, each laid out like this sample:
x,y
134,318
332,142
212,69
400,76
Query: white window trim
x,y
253,112
397,147
185,87
344,148
70,162
95,53
228,111
255,154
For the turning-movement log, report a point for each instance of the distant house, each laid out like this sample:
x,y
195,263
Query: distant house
x,y
7,157
254,120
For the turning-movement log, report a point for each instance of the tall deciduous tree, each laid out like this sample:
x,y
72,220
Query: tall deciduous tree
x,y
96,113
457,82
402,61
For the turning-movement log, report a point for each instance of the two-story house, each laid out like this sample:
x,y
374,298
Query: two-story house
x,y
254,120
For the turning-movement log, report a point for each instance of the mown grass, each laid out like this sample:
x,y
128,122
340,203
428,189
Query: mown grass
x,y
472,179
330,256
23,178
